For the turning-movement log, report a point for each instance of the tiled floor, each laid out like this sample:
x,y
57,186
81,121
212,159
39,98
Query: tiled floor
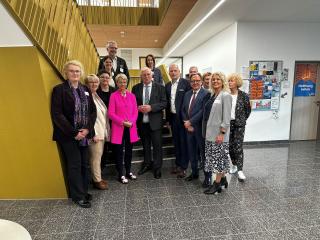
x,y
279,200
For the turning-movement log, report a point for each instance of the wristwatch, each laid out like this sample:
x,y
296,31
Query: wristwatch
x,y
222,132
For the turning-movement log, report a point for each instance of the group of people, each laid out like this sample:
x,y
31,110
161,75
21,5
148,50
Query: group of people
x,y
207,116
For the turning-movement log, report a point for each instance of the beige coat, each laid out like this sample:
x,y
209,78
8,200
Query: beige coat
x,y
101,126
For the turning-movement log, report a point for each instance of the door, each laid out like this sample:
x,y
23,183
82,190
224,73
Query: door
x,y
306,101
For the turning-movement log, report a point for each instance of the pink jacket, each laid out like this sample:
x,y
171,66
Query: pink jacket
x,y
121,109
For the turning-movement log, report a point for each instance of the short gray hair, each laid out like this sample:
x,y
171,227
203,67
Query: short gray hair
x,y
121,76
111,42
75,63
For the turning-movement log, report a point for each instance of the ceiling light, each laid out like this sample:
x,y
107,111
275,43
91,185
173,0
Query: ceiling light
x,y
191,31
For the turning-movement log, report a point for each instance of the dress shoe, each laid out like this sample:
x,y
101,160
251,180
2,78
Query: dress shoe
x,y
131,176
88,197
174,170
144,169
206,184
83,203
181,174
241,176
216,187
157,174
191,177
224,182
100,185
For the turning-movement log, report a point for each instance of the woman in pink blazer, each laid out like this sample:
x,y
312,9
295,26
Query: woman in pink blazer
x,y
123,112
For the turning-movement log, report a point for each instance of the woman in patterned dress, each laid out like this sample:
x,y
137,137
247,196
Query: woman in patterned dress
x,y
240,112
217,115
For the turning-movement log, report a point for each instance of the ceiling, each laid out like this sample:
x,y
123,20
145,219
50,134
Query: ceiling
x,y
244,10
143,36
180,19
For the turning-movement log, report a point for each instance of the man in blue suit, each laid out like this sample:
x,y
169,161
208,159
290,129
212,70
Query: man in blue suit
x,y
192,111
175,90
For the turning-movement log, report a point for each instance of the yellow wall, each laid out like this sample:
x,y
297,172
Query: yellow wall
x,y
30,164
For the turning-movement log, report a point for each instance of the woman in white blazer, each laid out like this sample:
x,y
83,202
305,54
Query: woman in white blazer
x,y
217,114
102,133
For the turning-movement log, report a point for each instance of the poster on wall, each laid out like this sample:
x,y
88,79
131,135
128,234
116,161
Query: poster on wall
x,y
305,80
264,87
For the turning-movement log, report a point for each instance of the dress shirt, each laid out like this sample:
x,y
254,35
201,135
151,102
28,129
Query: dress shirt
x,y
195,97
233,108
174,87
114,63
146,116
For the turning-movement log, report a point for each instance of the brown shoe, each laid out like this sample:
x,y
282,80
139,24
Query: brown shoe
x,y
100,185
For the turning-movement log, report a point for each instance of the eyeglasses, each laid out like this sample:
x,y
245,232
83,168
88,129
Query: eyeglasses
x,y
106,77
195,81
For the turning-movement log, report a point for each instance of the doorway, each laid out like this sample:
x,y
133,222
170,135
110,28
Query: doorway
x,y
306,102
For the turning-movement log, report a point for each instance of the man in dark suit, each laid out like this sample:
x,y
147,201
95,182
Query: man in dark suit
x,y
151,100
175,90
192,111
119,64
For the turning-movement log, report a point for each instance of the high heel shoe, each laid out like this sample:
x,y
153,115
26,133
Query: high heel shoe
x,y
216,187
224,183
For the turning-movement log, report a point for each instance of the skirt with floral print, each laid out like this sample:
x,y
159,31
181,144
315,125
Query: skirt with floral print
x,y
217,157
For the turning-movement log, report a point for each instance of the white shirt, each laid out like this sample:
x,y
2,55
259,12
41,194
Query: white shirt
x,y
145,118
233,107
114,63
174,87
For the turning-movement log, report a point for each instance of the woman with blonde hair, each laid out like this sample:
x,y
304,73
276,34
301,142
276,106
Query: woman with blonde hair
x,y
240,112
217,113
73,114
102,133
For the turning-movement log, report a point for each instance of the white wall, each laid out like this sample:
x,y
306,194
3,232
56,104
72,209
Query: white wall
x,y
219,52
136,53
276,41
10,33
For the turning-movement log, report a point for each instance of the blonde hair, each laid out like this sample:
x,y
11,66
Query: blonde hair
x,y
222,76
91,77
121,76
75,63
237,77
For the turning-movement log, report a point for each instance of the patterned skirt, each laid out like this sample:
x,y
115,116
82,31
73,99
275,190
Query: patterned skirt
x,y
217,157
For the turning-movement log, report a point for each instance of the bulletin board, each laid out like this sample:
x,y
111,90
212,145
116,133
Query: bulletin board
x,y
264,85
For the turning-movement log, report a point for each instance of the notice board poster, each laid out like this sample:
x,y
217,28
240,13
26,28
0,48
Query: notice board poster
x,y
264,88
305,80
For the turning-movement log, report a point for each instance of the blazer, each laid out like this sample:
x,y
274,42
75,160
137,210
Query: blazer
x,y
196,113
101,126
182,88
62,113
157,76
220,115
243,109
158,102
121,67
121,109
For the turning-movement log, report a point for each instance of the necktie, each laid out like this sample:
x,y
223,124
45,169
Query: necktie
x,y
146,95
193,100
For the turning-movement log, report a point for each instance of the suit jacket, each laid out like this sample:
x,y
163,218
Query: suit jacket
x,y
121,109
158,102
220,115
183,87
243,109
62,113
197,111
121,68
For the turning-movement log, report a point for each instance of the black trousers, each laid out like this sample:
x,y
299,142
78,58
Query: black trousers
x,y
127,155
180,142
76,158
236,145
154,138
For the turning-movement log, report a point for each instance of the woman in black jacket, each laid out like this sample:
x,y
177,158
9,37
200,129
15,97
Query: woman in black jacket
x,y
73,114
240,112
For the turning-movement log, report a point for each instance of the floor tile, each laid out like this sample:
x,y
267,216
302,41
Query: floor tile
x,y
163,216
138,232
168,231
137,218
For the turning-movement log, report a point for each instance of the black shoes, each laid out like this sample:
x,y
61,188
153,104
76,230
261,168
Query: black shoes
x,y
206,184
191,177
88,197
83,203
144,169
157,174
224,182
216,187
